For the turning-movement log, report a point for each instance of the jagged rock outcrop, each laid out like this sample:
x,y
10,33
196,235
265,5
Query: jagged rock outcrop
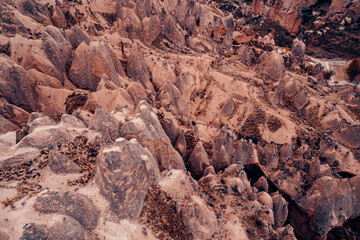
x,y
106,124
17,86
137,69
147,128
57,49
198,161
330,202
76,36
167,119
90,62
126,171
222,149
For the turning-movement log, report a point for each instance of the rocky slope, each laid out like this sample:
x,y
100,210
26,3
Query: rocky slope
x,y
179,119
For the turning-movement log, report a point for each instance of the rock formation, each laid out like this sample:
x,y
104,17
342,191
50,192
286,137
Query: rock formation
x,y
164,119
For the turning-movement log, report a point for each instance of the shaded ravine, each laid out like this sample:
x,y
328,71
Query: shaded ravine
x,y
299,219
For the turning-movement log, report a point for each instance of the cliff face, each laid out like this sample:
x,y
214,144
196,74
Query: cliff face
x,y
179,119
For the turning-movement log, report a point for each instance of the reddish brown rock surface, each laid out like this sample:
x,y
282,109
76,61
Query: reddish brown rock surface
x,y
169,119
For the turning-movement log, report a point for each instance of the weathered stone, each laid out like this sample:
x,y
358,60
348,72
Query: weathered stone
x,y
265,199
106,124
45,137
298,51
59,163
350,136
177,183
6,125
35,10
74,205
151,28
137,69
245,153
17,86
169,124
201,221
68,228
91,61
77,36
137,92
171,99
198,161
261,184
58,17
222,149
330,202
280,208
126,171
14,114
273,65
228,107
57,49
180,144
146,128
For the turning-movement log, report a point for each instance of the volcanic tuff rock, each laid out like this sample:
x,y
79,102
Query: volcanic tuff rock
x,y
167,119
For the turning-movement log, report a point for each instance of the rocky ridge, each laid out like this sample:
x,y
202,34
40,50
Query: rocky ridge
x,y
176,120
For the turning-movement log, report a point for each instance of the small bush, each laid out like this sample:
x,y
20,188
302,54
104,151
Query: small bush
x,y
353,71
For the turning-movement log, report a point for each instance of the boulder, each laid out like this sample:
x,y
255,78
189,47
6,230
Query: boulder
x,y
126,170
298,51
146,128
45,137
58,17
36,11
68,228
273,65
173,31
330,202
14,114
151,27
292,93
280,209
200,221
171,99
245,153
77,36
91,61
137,69
37,120
17,86
261,184
349,136
57,49
10,24
228,107
6,125
75,205
180,144
61,164
170,126
106,124
222,149
265,199
178,183
198,161
137,92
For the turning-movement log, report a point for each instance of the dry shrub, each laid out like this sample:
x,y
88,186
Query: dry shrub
x,y
353,71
